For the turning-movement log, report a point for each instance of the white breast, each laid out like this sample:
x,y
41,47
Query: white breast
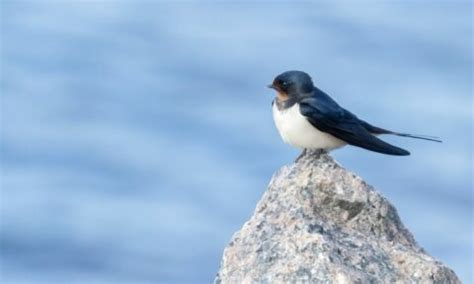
x,y
296,130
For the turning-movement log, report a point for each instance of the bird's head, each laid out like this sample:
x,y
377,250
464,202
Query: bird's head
x,y
292,84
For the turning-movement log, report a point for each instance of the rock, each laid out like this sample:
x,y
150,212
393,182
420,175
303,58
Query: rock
x,y
319,223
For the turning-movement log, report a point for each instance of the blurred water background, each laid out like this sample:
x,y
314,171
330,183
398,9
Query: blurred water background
x,y
137,136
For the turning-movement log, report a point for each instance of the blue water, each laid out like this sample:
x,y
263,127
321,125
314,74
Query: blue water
x,y
137,137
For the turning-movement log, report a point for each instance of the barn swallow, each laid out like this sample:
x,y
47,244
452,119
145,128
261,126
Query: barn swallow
x,y
308,118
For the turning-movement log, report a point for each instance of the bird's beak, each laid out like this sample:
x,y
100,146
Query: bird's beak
x,y
271,86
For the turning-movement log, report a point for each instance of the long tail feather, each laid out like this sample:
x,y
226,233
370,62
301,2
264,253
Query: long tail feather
x,y
422,137
377,130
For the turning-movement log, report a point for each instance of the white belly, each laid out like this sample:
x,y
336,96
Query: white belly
x,y
296,130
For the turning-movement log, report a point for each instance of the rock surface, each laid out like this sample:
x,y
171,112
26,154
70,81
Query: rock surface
x,y
319,223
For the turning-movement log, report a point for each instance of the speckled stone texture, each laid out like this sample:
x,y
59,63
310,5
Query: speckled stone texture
x,y
319,223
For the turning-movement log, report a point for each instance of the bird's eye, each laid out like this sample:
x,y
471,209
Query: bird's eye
x,y
284,83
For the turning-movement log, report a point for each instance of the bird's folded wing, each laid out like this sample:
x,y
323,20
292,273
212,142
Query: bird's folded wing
x,y
324,114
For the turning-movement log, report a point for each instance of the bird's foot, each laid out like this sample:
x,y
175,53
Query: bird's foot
x,y
303,153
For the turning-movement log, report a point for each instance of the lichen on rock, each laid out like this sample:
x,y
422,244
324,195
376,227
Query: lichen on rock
x,y
319,223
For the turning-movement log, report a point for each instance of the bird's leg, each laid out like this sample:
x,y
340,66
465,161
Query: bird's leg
x,y
303,153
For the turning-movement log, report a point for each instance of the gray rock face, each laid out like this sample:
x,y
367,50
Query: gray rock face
x,y
319,223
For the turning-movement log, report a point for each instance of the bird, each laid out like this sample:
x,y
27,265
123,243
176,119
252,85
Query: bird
x,y
308,118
